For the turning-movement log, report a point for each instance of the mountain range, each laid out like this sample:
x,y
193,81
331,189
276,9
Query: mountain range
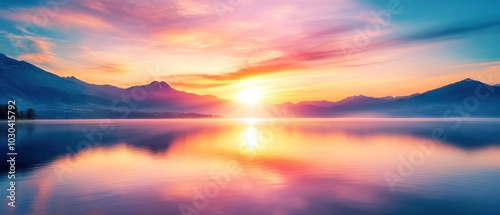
x,y
465,98
68,97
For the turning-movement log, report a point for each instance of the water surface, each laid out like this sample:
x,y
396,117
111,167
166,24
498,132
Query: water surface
x,y
308,166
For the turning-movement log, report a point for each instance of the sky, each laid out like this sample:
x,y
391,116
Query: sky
x,y
290,50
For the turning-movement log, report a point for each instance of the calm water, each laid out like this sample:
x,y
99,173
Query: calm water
x,y
349,166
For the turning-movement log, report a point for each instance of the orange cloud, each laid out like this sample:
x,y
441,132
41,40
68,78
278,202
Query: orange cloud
x,y
41,50
312,44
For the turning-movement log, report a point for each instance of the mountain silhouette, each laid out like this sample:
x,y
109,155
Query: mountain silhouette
x,y
33,87
68,97
466,98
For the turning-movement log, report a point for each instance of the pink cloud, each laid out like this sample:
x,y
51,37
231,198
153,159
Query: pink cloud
x,y
208,46
63,19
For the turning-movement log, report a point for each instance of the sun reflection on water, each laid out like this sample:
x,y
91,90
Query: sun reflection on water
x,y
251,137
305,165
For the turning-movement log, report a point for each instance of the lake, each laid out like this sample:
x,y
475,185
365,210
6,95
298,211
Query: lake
x,y
256,166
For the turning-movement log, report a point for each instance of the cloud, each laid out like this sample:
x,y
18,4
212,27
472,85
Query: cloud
x,y
451,30
36,49
29,17
201,45
109,67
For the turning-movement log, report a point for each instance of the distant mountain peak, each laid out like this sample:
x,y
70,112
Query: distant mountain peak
x,y
159,85
71,78
356,97
5,57
5,60
468,80
388,97
74,79
465,83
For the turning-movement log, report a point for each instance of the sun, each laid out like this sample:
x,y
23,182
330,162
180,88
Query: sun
x,y
249,96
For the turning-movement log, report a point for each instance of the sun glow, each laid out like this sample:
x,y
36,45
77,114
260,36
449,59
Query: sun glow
x,y
249,96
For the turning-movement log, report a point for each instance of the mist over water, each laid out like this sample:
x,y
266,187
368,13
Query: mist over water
x,y
245,166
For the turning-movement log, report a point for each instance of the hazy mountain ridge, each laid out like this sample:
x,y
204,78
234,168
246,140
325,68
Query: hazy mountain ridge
x,y
351,100
466,98
33,87
68,97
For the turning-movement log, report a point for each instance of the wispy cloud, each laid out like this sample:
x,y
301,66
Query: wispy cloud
x,y
449,31
203,48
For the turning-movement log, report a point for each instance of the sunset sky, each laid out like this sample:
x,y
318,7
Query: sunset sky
x,y
291,50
